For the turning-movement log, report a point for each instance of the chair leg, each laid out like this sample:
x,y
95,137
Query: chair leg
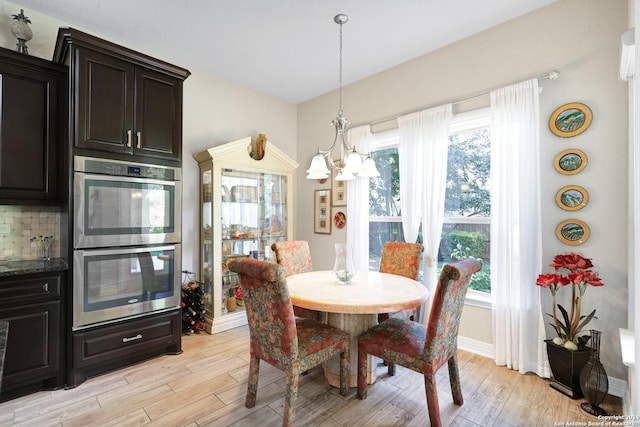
x,y
344,372
252,382
391,369
362,373
454,379
290,397
432,400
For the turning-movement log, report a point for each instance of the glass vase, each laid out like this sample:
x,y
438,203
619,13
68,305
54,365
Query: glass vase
x,y
343,265
593,379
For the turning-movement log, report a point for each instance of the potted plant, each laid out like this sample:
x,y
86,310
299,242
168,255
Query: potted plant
x,y
568,351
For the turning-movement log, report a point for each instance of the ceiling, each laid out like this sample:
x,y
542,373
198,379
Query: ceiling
x,y
286,48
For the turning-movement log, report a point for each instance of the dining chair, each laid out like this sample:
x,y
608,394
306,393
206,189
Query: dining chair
x,y
402,259
294,257
276,336
424,349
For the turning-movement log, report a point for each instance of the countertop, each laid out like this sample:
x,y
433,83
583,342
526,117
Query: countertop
x,y
17,268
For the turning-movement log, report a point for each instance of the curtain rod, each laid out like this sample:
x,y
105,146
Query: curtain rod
x,y
551,75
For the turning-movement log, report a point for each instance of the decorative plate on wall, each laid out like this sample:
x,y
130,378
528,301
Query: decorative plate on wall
x,y
570,162
572,232
340,219
572,198
570,120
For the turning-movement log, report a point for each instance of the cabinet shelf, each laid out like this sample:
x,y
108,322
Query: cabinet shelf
x,y
245,198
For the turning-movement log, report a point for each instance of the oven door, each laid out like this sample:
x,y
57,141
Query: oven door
x,y
111,284
123,211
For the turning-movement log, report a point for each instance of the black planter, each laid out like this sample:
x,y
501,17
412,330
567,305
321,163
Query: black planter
x,y
566,366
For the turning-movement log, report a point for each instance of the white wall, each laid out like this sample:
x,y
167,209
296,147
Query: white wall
x,y
580,38
215,111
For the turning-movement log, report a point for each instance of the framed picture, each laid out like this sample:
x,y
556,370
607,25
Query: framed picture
x,y
572,232
338,190
322,212
339,218
572,198
570,162
570,119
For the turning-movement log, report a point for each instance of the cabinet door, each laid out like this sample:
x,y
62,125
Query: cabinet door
x,y
28,132
104,103
33,350
158,114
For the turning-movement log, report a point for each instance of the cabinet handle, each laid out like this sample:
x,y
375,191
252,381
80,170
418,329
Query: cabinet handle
x,y
139,139
127,339
45,287
129,138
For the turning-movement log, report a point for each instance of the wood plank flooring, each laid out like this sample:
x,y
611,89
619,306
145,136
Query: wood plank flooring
x,y
205,386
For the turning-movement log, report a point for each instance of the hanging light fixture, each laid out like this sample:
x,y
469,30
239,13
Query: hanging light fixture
x,y
350,163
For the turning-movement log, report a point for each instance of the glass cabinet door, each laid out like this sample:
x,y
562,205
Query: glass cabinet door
x,y
253,216
206,247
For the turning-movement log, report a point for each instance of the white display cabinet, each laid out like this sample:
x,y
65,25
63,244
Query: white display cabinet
x,y
246,205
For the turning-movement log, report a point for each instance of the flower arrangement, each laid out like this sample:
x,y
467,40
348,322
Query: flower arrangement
x,y
579,276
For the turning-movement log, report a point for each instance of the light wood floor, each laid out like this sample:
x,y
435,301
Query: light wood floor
x,y
205,386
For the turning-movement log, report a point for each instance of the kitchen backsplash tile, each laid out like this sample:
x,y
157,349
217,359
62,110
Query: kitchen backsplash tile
x,y
25,222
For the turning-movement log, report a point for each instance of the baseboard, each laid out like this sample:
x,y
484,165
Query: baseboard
x,y
476,347
617,386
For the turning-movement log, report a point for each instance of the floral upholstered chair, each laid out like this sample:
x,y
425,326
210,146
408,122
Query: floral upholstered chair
x,y
290,344
402,259
424,349
294,257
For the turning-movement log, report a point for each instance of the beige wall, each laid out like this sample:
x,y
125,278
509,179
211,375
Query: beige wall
x,y
580,38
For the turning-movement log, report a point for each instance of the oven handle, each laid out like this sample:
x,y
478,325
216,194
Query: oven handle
x,y
80,176
134,338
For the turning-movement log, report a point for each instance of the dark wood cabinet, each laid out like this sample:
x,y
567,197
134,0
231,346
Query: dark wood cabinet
x,y
33,93
123,102
32,304
101,349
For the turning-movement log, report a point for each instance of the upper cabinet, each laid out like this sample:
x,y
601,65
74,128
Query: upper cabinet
x,y
33,96
123,103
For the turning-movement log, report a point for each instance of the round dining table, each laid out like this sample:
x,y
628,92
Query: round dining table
x,y
354,307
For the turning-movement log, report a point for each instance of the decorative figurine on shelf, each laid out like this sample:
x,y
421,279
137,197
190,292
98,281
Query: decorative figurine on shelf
x,y
238,294
231,300
20,29
257,153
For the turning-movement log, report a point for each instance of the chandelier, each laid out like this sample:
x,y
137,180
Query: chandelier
x,y
351,163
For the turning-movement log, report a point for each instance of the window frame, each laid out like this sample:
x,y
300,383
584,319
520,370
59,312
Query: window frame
x,y
462,122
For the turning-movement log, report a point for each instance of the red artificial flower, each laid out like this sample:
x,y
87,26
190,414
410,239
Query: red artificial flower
x,y
579,276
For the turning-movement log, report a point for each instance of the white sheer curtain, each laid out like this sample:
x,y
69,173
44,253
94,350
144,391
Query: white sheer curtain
x,y
358,204
422,155
516,248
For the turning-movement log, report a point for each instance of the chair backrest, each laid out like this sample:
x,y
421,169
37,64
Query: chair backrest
x,y
401,258
293,256
448,301
272,325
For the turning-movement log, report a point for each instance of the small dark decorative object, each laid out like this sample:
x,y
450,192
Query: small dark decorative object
x,y
593,379
20,29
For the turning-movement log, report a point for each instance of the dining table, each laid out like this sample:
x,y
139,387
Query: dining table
x,y
354,307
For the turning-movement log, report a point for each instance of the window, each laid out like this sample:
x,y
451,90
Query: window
x,y
467,218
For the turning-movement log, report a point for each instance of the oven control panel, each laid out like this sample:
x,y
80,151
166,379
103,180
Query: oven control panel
x,y
118,168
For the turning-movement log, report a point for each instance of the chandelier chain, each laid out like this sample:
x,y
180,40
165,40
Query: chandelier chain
x,y
340,73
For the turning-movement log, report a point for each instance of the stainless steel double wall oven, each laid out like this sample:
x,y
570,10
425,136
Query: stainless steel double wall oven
x,y
126,240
